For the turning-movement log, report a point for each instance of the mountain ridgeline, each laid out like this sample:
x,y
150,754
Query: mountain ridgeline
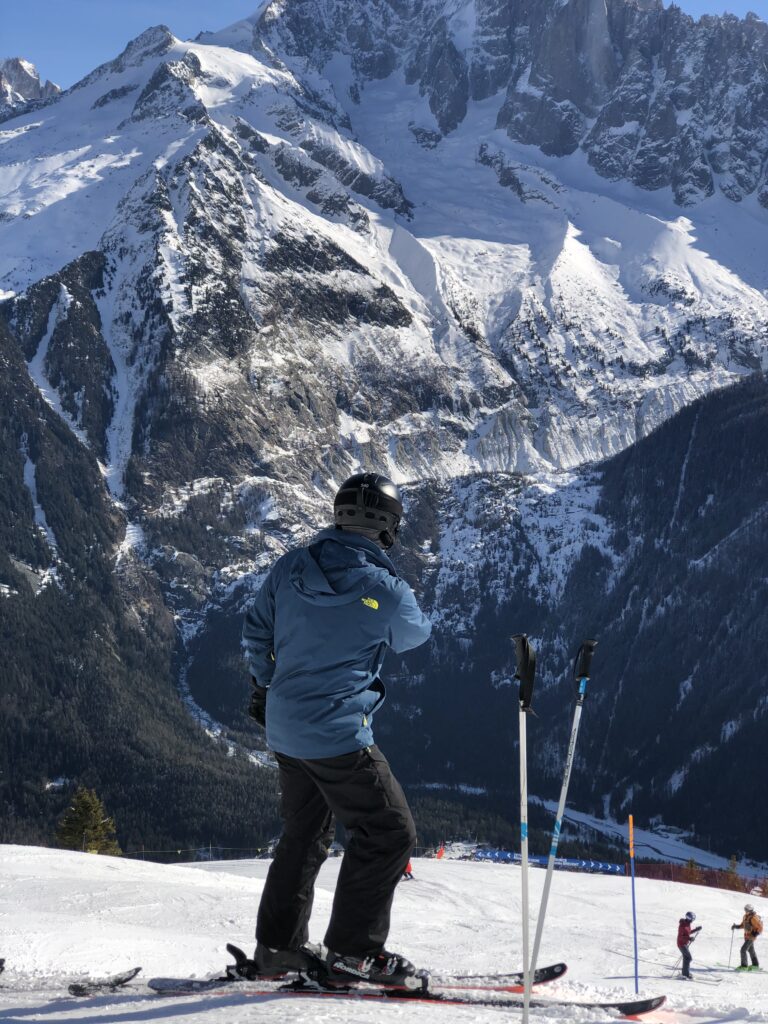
x,y
648,93
511,254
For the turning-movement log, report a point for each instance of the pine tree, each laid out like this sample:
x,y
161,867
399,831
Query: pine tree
x,y
86,826
732,878
692,872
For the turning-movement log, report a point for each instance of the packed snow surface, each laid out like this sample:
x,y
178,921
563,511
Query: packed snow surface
x,y
68,914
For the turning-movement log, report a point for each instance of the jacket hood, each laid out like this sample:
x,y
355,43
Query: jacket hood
x,y
339,567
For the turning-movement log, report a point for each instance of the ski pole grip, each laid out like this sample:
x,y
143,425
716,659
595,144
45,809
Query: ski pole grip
x,y
526,668
583,663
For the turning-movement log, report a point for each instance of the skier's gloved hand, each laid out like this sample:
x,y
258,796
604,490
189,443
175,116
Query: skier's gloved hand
x,y
257,709
697,929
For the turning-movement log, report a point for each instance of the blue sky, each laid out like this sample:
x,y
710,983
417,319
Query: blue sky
x,y
68,38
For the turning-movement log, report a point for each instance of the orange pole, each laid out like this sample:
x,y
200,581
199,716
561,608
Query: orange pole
x,y
634,908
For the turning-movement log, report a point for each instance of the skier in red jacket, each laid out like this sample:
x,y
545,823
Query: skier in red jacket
x,y
685,934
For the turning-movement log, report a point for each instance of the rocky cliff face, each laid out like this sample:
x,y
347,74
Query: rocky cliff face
x,y
647,93
240,268
20,85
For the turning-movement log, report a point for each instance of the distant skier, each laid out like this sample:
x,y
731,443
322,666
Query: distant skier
x,y
685,936
753,927
408,873
316,636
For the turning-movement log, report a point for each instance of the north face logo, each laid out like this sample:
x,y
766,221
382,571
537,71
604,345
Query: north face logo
x,y
371,602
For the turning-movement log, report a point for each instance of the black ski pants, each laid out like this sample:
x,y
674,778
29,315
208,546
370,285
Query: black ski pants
x,y
361,791
748,946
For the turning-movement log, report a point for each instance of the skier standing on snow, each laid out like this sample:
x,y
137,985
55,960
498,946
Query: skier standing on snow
x,y
316,636
685,934
753,926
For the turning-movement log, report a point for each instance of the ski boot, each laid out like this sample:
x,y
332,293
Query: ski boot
x,y
390,970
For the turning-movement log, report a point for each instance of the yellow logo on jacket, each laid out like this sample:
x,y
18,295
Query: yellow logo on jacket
x,y
370,602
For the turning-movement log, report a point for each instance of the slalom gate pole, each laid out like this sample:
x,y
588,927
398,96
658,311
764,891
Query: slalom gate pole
x,y
525,673
581,675
634,905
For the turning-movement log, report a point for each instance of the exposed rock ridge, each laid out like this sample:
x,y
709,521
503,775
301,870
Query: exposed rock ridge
x,y
22,87
649,94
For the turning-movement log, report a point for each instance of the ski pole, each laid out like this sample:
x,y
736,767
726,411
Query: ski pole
x,y
581,675
730,951
525,673
634,906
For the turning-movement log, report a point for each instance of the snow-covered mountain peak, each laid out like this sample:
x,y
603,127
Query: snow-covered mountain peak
x,y
151,43
524,290
20,84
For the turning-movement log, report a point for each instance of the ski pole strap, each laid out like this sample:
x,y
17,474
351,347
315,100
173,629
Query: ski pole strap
x,y
582,666
526,669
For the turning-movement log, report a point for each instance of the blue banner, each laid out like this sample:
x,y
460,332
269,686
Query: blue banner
x,y
569,863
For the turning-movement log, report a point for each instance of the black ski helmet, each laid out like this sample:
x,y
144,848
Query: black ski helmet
x,y
372,501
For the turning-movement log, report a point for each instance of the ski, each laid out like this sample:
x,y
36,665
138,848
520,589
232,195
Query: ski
x,y
512,982
309,989
502,982
669,966
93,986
698,981
741,970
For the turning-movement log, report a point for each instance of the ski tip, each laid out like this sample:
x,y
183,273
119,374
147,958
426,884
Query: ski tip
x,y
96,986
638,1008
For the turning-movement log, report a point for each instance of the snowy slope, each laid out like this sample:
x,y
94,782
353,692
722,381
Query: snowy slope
x,y
67,913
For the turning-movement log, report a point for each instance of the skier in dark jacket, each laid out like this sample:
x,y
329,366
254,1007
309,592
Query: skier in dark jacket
x,y
316,636
685,934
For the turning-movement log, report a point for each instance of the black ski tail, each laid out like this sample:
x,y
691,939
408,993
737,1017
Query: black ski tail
x,y
93,986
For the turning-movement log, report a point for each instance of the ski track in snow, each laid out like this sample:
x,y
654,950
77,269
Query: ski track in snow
x,y
69,914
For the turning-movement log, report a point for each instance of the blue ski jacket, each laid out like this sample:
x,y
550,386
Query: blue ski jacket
x,y
316,636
